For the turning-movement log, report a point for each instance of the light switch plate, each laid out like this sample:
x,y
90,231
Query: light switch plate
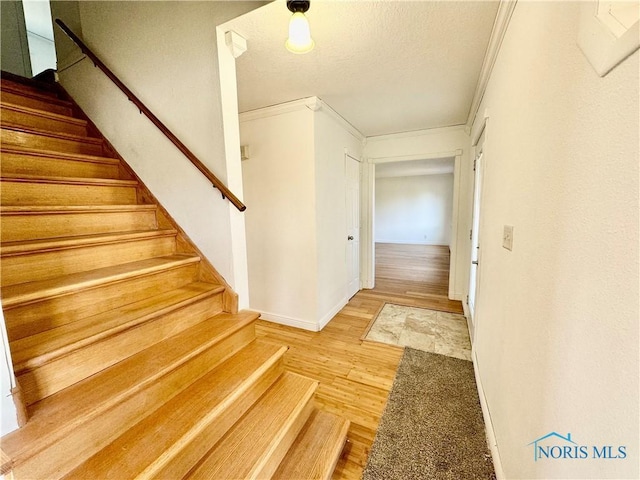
x,y
507,237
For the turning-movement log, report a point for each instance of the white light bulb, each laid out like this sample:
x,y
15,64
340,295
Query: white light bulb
x,y
299,40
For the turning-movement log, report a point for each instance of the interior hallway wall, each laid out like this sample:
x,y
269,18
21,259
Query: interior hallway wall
x,y
557,342
145,44
333,140
279,183
297,229
414,210
14,56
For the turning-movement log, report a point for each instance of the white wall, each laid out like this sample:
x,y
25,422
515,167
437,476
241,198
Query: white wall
x,y
166,52
556,344
333,139
279,184
414,209
66,51
434,143
42,52
296,232
39,26
14,44
9,416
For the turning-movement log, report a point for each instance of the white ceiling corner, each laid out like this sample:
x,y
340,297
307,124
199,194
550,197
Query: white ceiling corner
x,y
385,66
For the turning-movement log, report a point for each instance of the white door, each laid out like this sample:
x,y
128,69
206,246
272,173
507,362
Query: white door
x,y
352,174
475,233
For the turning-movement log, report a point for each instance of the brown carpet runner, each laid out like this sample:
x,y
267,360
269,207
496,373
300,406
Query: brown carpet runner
x,y
432,426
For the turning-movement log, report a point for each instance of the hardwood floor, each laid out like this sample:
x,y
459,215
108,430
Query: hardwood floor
x,y
414,275
355,376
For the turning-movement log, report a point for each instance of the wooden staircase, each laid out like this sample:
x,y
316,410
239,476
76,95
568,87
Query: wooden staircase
x,y
131,358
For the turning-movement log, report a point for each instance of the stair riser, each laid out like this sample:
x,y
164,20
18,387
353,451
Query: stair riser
x,y
270,465
16,227
37,193
37,103
21,88
44,142
179,465
72,447
36,350
59,167
255,445
317,449
55,375
37,317
33,120
41,265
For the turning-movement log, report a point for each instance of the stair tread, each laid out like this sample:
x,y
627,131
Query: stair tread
x,y
35,350
19,177
159,437
52,134
51,104
38,209
42,113
60,243
6,464
56,154
33,291
54,417
248,445
317,449
33,92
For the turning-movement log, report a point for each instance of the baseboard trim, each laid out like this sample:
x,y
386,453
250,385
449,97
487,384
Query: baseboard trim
x,y
399,242
289,321
332,313
488,424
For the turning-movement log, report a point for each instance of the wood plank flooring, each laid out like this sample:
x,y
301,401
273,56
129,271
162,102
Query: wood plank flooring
x,y
355,376
414,275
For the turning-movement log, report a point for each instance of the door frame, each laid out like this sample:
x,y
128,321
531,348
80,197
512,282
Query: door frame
x,y
482,131
478,171
367,224
358,253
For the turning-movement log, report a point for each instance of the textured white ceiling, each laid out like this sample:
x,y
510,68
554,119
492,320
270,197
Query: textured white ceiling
x,y
386,66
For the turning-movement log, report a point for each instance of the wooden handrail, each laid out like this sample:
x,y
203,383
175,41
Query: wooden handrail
x,y
226,193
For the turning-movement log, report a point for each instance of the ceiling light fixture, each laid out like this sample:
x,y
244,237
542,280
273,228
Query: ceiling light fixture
x,y
299,40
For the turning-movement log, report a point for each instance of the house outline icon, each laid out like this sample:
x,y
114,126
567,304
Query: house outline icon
x,y
544,437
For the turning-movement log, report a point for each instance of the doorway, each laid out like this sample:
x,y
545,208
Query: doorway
x,y
413,234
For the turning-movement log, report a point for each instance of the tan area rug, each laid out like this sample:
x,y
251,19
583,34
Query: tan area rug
x,y
422,329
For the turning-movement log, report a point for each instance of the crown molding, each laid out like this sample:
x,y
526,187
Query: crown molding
x,y
416,133
500,25
416,156
314,104
339,119
278,109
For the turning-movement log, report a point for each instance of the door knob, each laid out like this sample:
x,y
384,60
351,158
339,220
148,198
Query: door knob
x,y
350,237
475,262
